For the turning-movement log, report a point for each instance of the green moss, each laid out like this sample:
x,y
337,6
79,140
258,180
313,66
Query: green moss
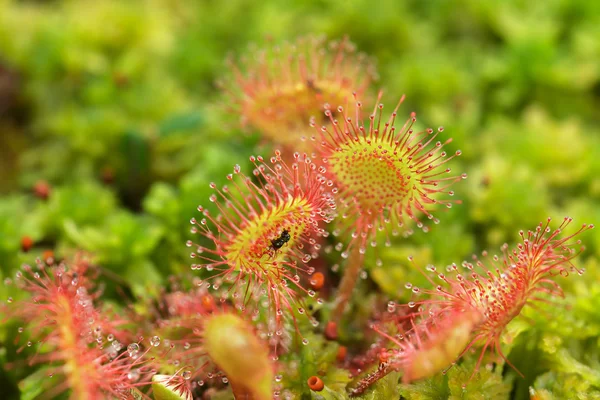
x,y
115,105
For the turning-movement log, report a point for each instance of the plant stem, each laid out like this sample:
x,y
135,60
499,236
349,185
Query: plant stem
x,y
369,379
69,346
348,283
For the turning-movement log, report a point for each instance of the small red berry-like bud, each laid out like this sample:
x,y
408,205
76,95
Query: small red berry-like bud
x,y
208,302
341,353
42,190
48,257
384,355
317,280
120,79
108,175
331,330
26,243
315,383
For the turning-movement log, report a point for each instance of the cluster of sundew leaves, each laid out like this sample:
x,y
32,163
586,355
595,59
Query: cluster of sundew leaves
x,y
83,350
473,309
470,98
261,245
486,315
78,340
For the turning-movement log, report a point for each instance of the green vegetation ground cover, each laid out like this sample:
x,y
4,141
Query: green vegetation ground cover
x,y
114,104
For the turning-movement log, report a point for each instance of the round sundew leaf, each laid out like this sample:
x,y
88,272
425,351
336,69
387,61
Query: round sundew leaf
x,y
164,389
270,94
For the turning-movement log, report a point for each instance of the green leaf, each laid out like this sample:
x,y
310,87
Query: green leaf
x,y
328,394
163,202
34,385
484,385
179,123
564,385
435,388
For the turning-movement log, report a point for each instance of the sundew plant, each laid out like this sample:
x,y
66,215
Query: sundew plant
x,y
237,200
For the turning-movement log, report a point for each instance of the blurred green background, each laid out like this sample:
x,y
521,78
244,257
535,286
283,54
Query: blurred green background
x,y
114,105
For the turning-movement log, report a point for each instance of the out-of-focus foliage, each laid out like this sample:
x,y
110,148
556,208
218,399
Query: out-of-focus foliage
x,y
114,104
